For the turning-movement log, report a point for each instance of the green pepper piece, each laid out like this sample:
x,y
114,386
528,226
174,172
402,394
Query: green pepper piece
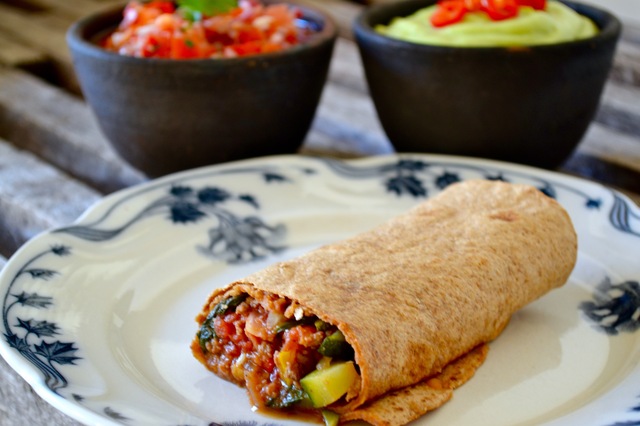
x,y
330,418
321,325
336,346
288,396
294,323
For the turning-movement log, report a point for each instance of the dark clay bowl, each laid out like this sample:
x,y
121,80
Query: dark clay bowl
x,y
527,105
164,115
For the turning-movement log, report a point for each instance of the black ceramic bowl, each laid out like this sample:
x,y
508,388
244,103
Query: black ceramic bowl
x,y
527,105
164,115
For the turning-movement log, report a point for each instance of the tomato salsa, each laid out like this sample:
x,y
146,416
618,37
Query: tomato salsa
x,y
164,29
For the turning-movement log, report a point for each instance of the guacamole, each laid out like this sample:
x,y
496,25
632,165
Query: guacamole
x,y
557,23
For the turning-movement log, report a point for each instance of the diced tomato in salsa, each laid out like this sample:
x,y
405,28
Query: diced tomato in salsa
x,y
158,29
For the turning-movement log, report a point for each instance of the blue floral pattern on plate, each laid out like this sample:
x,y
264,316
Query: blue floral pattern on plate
x,y
31,338
233,239
236,230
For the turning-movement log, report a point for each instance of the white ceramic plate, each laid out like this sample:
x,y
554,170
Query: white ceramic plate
x,y
98,316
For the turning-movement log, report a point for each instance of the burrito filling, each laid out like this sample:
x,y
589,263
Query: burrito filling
x,y
285,357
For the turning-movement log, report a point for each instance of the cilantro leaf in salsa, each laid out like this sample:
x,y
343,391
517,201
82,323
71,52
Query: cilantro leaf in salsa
x,y
195,9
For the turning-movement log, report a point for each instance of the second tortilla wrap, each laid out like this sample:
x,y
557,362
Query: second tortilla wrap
x,y
426,290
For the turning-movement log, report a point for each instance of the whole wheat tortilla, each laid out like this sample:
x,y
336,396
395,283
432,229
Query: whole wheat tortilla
x,y
426,290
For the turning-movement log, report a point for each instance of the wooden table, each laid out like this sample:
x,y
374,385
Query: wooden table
x,y
54,163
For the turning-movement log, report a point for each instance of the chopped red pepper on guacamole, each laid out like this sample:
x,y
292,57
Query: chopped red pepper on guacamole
x,y
167,29
452,11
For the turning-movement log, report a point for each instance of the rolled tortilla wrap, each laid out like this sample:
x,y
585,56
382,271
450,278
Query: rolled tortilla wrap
x,y
414,296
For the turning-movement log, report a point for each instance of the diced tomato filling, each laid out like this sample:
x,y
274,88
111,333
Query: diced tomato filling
x,y
159,29
262,350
